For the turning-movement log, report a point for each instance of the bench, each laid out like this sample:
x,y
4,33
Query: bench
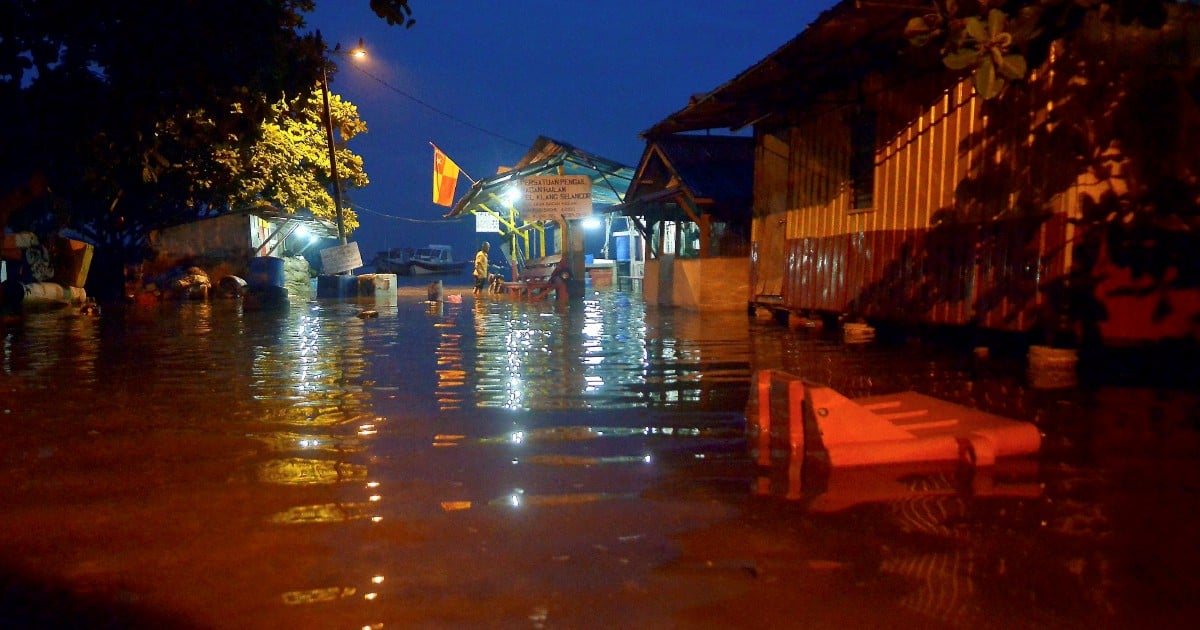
x,y
539,278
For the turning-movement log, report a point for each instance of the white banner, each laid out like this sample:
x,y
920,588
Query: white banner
x,y
341,258
546,197
487,222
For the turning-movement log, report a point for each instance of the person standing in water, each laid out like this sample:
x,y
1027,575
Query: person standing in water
x,y
481,268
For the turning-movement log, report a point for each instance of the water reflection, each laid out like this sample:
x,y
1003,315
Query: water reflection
x,y
504,463
451,370
519,499
607,352
319,366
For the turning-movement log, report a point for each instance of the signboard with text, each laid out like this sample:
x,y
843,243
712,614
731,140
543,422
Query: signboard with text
x,y
487,222
546,197
341,258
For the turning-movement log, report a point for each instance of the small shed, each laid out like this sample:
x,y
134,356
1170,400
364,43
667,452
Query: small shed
x,y
225,245
691,203
524,240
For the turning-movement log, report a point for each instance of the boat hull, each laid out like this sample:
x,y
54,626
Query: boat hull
x,y
418,268
426,261
396,267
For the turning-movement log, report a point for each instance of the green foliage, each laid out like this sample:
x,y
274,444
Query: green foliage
x,y
289,167
394,11
1116,109
998,40
138,115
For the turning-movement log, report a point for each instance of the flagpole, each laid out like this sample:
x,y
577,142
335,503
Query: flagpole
x,y
460,168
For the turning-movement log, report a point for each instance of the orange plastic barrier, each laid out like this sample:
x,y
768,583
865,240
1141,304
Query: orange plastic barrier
x,y
899,428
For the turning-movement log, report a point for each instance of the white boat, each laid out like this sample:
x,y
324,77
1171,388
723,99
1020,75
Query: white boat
x,y
429,260
394,260
435,259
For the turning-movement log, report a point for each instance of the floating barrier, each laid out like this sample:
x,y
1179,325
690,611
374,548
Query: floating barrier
x,y
895,429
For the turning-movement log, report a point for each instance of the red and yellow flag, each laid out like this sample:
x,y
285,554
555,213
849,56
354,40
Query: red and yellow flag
x,y
445,178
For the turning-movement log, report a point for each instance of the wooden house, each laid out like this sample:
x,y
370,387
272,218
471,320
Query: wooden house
x,y
886,188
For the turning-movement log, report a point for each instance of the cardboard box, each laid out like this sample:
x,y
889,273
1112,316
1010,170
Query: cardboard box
x,y
72,261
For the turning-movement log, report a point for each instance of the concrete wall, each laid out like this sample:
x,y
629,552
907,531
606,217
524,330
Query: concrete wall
x,y
702,284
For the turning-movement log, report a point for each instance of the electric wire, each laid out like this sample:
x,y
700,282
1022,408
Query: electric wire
x,y
436,110
439,221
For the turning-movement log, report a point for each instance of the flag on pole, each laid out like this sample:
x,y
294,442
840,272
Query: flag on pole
x,y
445,178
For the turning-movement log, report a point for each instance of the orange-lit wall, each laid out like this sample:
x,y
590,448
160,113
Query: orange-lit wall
x,y
915,256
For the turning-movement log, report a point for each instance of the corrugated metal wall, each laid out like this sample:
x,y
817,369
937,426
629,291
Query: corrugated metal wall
x,y
912,257
771,194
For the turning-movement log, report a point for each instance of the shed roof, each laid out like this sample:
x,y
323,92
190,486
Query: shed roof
x,y
720,168
845,43
322,228
610,179
711,174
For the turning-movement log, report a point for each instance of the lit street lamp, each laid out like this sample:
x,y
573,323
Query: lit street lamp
x,y
357,52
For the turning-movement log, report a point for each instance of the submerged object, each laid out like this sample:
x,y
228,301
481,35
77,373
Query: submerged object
x,y
232,286
265,297
51,294
906,427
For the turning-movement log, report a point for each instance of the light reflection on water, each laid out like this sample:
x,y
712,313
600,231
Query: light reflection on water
x,y
538,446
610,352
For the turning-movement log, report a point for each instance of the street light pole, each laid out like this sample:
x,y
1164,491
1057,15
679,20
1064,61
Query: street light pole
x,y
333,173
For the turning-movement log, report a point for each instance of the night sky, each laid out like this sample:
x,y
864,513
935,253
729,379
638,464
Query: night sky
x,y
483,79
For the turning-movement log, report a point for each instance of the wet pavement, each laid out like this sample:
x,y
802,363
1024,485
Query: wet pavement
x,y
507,465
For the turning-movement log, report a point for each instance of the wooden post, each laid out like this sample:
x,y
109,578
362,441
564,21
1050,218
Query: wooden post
x,y
573,254
764,418
705,236
795,437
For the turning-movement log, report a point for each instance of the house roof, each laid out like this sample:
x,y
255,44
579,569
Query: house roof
x,y
687,173
320,227
718,168
610,180
715,174
845,43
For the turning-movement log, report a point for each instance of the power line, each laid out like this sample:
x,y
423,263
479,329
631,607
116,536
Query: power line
x,y
437,110
406,219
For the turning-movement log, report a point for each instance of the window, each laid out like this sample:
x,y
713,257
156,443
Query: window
x,y
862,160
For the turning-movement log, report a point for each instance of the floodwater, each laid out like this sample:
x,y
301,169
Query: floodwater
x,y
506,465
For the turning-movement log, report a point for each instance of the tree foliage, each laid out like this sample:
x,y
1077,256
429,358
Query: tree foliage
x,y
289,167
1116,107
125,116
998,40
394,11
